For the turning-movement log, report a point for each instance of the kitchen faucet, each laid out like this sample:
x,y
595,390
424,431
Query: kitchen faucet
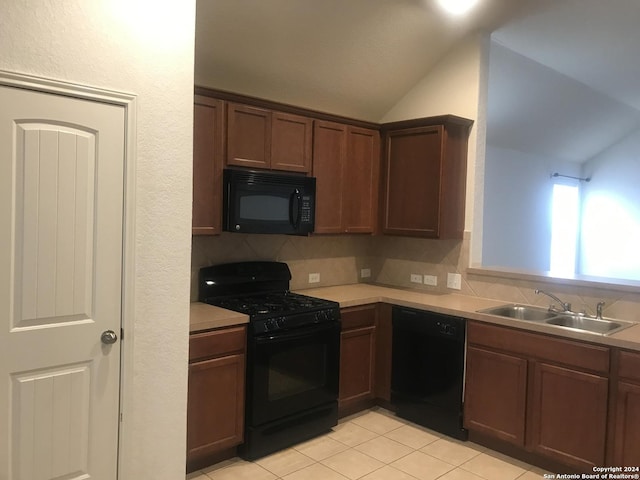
x,y
565,305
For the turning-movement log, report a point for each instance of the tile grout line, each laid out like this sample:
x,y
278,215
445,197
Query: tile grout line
x,y
378,435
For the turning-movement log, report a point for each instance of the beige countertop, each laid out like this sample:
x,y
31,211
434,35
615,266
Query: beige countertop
x,y
467,306
205,317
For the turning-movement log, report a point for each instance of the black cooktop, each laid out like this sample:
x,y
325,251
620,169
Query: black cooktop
x,y
271,303
261,290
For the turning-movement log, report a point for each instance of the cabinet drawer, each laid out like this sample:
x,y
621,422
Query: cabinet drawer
x,y
217,343
357,317
629,366
558,350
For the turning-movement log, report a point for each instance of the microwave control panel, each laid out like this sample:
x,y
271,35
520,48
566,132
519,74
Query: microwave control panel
x,y
306,209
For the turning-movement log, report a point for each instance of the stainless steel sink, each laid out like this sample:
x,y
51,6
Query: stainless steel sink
x,y
521,312
565,320
586,324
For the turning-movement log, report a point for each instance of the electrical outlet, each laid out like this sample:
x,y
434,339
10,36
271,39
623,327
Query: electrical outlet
x,y
454,280
415,278
314,277
430,280
365,273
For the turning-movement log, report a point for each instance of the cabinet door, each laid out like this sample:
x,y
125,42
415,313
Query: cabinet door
x,y
329,153
215,405
208,157
360,183
413,160
357,349
568,415
291,142
627,426
496,394
384,341
248,136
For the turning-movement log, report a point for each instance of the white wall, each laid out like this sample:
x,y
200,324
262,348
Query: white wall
x,y
450,87
517,208
611,212
145,48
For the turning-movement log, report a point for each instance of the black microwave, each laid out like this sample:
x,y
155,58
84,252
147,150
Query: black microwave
x,y
266,202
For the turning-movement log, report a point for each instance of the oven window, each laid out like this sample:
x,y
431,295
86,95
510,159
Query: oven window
x,y
264,207
297,370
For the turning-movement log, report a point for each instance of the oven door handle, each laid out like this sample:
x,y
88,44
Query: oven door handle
x,y
295,334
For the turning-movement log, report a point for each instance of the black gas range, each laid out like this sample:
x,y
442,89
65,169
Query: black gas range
x,y
278,311
293,349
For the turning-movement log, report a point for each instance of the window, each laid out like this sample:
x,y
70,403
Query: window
x,y
565,213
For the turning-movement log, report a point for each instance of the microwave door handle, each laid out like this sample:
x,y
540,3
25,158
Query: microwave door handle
x,y
295,208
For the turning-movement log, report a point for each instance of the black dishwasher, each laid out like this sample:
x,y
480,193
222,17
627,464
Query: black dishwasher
x,y
427,371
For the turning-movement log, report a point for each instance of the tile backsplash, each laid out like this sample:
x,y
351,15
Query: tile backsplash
x,y
339,259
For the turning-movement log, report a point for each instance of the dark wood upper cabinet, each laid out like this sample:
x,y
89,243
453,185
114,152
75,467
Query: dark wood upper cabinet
x,y
291,142
248,136
424,173
208,159
266,139
361,178
329,154
346,165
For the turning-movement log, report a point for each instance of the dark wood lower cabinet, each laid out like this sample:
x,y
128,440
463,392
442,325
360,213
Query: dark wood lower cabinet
x,y
356,377
215,400
626,432
357,359
543,398
627,426
384,339
496,394
554,402
568,415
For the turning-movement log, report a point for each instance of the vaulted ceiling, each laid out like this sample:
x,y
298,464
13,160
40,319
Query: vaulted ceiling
x,y
565,81
358,58
350,57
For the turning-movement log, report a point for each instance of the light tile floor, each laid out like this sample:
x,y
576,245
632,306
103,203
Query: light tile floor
x,y
376,445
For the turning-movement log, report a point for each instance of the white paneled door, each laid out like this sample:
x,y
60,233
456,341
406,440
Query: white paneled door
x,y
61,217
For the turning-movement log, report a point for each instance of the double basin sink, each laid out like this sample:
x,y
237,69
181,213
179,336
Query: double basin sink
x,y
567,320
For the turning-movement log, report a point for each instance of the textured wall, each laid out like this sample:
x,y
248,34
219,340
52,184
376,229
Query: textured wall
x,y
144,48
611,203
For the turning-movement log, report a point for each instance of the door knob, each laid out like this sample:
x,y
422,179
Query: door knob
x,y
108,337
